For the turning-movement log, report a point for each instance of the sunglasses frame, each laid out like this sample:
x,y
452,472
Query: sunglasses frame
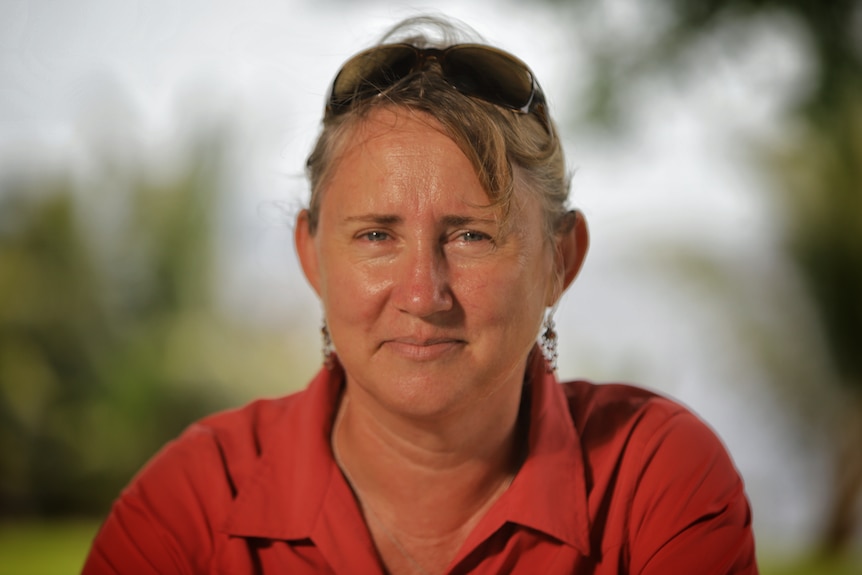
x,y
361,87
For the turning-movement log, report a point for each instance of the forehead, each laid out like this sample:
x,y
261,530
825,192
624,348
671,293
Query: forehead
x,y
403,156
398,130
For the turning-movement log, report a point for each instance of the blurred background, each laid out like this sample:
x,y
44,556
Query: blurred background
x,y
151,165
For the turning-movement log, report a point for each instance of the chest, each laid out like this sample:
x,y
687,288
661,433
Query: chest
x,y
512,550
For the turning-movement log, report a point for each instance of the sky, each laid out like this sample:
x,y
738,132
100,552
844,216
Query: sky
x,y
136,78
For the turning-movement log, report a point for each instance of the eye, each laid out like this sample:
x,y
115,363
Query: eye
x,y
470,242
472,236
374,236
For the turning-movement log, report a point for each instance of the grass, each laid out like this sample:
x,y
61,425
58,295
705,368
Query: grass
x,y
848,566
45,548
59,547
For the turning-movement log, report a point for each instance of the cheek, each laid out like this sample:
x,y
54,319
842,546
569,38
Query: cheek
x,y
500,294
351,293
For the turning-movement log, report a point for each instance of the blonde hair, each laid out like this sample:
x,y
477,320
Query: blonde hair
x,y
497,141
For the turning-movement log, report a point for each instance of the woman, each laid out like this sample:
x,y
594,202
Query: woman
x,y
437,439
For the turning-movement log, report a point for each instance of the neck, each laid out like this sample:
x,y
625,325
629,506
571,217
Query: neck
x,y
433,479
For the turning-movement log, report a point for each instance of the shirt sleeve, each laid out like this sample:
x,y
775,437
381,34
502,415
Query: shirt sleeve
x,y
163,522
689,512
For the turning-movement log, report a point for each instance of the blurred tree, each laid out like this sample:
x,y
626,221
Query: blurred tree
x,y
817,170
104,294
822,193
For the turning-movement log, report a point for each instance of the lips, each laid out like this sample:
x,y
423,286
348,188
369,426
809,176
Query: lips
x,y
422,349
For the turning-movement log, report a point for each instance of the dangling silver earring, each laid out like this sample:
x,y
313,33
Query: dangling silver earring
x,y
328,349
549,342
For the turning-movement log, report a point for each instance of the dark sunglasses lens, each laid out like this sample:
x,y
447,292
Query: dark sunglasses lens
x,y
370,73
489,75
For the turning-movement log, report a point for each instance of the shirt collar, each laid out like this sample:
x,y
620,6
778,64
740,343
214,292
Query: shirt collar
x,y
296,473
549,493
296,470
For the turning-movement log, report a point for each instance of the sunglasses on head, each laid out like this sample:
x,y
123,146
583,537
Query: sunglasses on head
x,y
474,70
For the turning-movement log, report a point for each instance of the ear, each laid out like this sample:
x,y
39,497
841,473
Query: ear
x,y
572,244
306,250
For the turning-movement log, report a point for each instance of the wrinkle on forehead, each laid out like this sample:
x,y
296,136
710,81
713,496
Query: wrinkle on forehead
x,y
385,121
403,157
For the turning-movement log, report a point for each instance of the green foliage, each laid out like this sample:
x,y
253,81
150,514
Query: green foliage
x,y
820,178
813,566
23,546
665,45
98,293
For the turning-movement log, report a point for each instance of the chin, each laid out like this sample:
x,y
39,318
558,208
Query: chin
x,y
420,395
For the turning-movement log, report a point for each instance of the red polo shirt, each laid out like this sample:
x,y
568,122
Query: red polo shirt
x,y
617,480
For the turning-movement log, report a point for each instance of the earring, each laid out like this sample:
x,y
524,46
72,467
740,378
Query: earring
x,y
328,348
549,343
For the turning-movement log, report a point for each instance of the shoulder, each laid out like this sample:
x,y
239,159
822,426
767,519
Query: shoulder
x,y
166,519
643,443
215,456
219,454
641,428
242,434
614,408
664,477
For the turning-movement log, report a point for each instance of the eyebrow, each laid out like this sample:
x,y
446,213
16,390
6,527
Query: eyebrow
x,y
461,221
452,221
380,219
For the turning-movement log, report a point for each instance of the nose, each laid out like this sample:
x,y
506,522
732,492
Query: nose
x,y
422,286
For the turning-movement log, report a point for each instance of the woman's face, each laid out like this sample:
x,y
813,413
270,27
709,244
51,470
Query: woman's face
x,y
431,304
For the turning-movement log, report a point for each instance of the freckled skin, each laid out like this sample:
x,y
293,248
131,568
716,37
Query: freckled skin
x,y
431,307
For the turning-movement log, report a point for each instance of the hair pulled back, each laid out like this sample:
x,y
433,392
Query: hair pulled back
x,y
507,149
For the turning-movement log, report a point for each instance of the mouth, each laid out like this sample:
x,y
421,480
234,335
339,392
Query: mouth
x,y
423,349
